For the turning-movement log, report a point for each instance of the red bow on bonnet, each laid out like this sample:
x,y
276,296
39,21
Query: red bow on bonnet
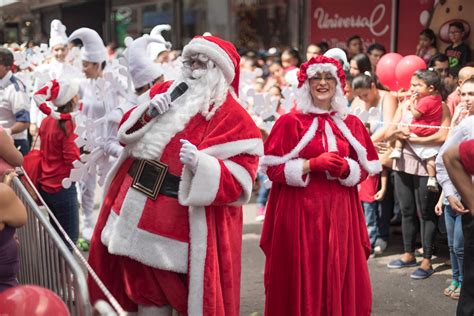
x,y
303,75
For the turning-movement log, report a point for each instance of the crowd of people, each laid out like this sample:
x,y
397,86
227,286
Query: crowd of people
x,y
175,138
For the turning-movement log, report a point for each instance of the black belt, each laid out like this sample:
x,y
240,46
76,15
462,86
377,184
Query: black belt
x,y
152,178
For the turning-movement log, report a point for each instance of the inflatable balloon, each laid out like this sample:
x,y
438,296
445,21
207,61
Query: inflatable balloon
x,y
385,70
31,300
406,68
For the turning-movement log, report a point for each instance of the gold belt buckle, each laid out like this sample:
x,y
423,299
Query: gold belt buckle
x,y
149,177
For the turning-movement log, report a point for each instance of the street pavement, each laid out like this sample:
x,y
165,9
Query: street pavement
x,y
394,293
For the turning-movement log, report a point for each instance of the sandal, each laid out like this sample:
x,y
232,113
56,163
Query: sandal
x,y
451,288
456,293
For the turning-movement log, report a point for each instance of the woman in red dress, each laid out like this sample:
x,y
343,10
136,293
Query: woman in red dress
x,y
314,235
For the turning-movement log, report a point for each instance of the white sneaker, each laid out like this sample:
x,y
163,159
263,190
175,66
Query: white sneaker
x,y
87,233
432,184
380,246
395,154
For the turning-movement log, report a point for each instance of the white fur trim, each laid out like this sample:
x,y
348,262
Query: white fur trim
x,y
126,239
354,174
251,146
373,166
331,139
113,171
266,161
198,234
304,100
243,177
130,122
294,173
214,52
200,189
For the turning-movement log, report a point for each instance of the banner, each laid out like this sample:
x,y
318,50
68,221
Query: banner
x,y
335,21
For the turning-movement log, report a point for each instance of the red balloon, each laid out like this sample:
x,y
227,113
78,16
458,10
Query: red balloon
x,y
31,300
385,70
406,68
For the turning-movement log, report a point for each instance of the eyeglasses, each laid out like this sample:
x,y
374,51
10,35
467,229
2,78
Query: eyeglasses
x,y
199,64
319,79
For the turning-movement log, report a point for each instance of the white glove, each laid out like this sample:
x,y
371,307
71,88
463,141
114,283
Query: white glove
x,y
188,155
161,102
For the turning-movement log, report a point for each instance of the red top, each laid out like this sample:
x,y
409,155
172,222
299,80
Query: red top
x,y
431,111
466,153
58,153
368,188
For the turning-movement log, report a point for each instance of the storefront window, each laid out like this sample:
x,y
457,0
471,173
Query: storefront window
x,y
261,24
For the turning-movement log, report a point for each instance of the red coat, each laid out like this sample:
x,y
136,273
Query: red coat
x,y
187,252
314,235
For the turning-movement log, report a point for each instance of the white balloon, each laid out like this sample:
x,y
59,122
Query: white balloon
x,y
424,18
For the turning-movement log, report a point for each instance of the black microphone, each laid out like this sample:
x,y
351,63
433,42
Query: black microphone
x,y
178,91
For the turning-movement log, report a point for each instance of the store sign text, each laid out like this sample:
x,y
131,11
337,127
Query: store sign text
x,y
325,21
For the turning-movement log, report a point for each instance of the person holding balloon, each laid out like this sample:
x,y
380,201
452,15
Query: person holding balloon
x,y
426,108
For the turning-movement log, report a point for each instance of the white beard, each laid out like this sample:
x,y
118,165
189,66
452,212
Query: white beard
x,y
209,89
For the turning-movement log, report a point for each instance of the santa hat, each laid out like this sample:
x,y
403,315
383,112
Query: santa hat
x,y
142,69
57,34
221,52
339,55
156,48
309,69
58,92
93,49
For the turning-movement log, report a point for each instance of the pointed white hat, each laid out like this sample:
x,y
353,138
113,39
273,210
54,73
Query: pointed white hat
x,y
57,34
93,49
338,54
142,69
156,48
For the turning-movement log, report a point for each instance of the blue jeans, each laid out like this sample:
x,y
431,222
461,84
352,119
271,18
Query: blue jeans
x,y
455,242
65,208
370,213
262,191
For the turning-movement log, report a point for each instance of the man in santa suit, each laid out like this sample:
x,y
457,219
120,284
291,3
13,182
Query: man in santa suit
x,y
180,249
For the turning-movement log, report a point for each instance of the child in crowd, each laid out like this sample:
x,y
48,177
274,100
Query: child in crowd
x,y
59,151
458,52
426,110
426,47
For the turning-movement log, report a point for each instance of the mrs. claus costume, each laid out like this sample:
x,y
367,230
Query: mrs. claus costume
x,y
183,252
314,235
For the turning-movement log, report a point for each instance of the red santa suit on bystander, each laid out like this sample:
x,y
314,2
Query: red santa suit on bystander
x,y
314,235
184,251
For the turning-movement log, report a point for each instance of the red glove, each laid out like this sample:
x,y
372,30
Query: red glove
x,y
343,172
331,162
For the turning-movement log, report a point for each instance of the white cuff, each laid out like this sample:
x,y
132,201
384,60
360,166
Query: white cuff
x,y
200,188
294,173
354,174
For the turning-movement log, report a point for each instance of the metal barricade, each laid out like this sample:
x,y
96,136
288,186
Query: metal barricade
x,y
46,261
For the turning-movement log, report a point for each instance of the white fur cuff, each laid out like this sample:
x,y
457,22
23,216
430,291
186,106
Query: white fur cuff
x,y
129,138
200,188
294,173
354,174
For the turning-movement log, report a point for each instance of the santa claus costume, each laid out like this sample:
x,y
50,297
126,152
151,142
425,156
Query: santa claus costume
x,y
183,249
314,235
